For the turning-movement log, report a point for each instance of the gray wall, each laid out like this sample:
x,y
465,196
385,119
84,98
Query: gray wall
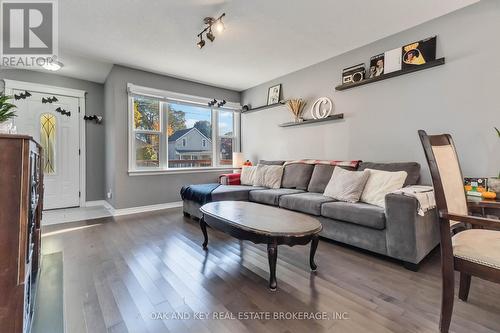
x,y
382,119
94,133
133,191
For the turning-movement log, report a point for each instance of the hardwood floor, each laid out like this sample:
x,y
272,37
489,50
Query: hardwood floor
x,y
121,272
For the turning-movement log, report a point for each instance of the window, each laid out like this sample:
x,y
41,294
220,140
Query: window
x,y
171,135
147,131
226,138
48,142
192,125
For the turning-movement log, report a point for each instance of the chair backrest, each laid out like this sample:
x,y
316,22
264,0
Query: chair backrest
x,y
445,172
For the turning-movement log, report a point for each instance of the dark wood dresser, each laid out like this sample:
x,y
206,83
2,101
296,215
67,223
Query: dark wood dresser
x,y
21,197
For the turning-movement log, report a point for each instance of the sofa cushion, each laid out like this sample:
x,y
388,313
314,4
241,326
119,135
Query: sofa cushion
x,y
358,213
320,177
265,162
297,175
270,196
309,203
232,192
411,168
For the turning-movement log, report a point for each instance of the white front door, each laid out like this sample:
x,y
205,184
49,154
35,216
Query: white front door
x,y
58,134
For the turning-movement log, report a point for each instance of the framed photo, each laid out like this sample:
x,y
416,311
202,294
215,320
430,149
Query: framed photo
x,y
273,94
377,65
419,53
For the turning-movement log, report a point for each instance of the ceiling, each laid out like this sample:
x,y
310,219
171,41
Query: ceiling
x,y
263,39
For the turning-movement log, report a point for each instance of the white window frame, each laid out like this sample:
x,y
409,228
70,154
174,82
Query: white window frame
x,y
164,98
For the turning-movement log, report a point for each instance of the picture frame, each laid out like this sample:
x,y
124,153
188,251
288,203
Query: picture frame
x,y
274,94
419,52
377,64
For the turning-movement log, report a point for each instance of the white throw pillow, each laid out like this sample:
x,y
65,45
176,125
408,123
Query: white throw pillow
x,y
268,176
380,183
346,185
247,176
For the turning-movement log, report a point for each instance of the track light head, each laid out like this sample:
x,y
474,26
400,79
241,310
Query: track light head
x,y
210,35
219,26
201,43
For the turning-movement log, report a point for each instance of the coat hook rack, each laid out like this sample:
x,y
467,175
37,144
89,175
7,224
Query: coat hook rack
x,y
22,95
97,119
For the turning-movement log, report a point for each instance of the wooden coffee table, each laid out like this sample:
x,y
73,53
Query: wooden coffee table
x,y
262,224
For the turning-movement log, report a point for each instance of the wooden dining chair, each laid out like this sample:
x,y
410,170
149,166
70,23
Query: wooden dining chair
x,y
472,252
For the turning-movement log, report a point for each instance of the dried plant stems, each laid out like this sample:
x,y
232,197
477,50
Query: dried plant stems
x,y
296,106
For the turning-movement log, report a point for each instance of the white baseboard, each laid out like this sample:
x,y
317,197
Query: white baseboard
x,y
143,209
98,203
98,209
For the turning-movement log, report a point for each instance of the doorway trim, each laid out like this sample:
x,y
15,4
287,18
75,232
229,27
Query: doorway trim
x,y
10,85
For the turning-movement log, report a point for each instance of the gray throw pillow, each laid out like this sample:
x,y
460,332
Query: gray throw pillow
x,y
297,175
320,177
346,185
266,162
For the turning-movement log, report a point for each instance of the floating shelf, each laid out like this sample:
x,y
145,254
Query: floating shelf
x,y
312,121
437,62
264,107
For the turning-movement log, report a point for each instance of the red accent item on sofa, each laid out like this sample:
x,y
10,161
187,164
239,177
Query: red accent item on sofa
x,y
230,179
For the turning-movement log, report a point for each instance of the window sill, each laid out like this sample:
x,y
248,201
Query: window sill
x,y
179,171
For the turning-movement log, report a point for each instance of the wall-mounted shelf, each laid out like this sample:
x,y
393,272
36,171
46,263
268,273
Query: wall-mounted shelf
x,y
312,121
437,62
264,107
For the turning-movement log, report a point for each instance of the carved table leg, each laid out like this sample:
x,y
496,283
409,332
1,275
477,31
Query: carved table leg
x,y
314,246
203,227
272,255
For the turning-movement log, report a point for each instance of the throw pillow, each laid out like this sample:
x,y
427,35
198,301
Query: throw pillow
x,y
346,185
273,177
380,183
248,175
268,176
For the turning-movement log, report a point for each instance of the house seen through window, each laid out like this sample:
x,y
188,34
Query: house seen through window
x,y
175,135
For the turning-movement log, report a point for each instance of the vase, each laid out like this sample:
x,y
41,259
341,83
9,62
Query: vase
x,y
494,184
5,127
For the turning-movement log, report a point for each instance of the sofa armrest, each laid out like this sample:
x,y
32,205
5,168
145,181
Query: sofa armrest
x,y
410,237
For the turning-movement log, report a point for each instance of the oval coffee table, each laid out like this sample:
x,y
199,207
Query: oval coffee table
x,y
262,224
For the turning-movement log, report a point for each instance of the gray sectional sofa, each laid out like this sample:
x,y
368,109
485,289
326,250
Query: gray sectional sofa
x,y
396,231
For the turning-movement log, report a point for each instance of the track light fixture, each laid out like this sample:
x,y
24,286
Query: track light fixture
x,y
211,22
212,102
221,104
